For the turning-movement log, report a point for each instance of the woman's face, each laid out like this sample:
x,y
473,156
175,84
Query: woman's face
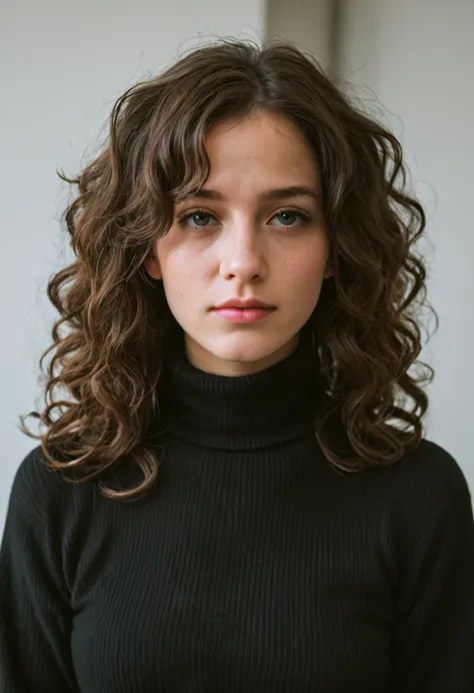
x,y
246,235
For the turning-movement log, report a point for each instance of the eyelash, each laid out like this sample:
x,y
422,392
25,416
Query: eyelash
x,y
182,220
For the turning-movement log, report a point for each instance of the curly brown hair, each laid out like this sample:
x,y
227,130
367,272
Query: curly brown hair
x,y
110,340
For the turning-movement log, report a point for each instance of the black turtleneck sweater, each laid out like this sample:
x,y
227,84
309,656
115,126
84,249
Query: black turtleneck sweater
x,y
252,567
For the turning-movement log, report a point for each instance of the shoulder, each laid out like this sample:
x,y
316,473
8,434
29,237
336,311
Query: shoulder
x,y
34,475
426,489
31,480
429,470
38,492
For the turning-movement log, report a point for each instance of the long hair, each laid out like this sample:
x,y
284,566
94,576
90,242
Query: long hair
x,y
102,391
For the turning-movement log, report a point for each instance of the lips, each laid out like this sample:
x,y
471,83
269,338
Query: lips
x,y
243,315
244,304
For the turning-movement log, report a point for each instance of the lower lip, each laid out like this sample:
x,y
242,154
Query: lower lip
x,y
243,314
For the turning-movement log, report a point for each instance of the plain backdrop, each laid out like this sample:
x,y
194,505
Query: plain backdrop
x,y
63,64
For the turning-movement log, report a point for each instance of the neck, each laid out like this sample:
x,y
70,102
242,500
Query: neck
x,y
256,410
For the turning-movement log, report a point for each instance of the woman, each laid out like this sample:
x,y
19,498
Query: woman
x,y
241,496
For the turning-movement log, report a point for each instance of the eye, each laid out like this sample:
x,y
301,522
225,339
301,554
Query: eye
x,y
197,219
200,219
287,218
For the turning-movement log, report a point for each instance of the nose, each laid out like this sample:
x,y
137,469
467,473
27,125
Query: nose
x,y
242,257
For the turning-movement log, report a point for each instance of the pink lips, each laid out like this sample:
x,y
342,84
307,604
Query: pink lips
x,y
235,314
244,310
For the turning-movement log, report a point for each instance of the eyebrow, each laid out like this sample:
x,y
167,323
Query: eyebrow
x,y
276,194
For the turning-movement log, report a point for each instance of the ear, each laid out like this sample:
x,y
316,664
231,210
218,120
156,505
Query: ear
x,y
328,271
152,266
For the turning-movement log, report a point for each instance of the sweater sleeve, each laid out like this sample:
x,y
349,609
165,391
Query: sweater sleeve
x,y
35,623
434,643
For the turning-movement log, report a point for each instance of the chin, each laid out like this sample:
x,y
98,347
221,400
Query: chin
x,y
248,347
241,353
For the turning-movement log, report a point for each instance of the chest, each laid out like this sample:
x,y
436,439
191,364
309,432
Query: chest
x,y
238,593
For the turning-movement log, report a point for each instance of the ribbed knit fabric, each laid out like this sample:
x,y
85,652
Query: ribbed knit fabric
x,y
252,567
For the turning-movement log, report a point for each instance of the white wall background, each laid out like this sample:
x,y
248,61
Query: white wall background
x,y
307,23
62,65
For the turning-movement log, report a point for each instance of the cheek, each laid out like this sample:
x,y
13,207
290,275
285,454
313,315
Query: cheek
x,y
308,268
187,268
182,276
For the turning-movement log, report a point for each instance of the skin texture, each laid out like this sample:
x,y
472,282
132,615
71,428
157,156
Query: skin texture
x,y
245,245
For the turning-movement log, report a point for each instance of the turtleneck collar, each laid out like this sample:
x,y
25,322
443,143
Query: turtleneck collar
x,y
267,408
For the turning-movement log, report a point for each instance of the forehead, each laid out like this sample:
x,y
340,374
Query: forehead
x,y
260,145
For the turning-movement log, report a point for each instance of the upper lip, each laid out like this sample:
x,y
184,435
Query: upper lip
x,y
243,303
